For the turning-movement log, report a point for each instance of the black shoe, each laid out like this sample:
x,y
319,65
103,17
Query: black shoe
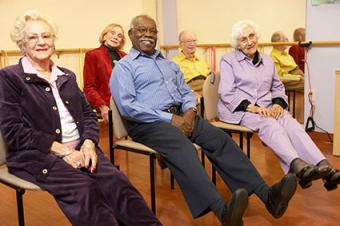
x,y
307,172
332,180
234,209
310,173
280,194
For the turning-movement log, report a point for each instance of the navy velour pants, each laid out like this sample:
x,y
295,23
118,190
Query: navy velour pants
x,y
180,155
104,198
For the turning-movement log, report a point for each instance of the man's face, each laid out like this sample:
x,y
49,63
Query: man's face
x,y
188,44
143,35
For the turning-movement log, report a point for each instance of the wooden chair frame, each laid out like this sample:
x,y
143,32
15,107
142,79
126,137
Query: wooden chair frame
x,y
18,184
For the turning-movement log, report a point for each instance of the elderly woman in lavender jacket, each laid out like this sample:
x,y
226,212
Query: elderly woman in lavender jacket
x,y
52,135
252,95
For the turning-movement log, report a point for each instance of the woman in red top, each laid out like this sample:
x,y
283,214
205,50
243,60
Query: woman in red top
x,y
98,67
297,52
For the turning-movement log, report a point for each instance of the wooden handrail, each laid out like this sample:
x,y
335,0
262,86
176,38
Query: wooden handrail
x,y
4,54
57,51
204,46
262,44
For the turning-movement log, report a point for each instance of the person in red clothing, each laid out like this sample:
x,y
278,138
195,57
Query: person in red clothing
x,y
98,67
297,52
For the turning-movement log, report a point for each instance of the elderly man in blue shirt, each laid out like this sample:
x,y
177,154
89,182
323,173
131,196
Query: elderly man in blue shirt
x,y
152,96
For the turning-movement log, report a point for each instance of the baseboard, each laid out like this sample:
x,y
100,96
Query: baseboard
x,y
321,136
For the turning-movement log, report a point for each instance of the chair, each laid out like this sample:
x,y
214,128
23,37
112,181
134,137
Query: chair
x,y
14,182
117,128
291,94
210,99
210,96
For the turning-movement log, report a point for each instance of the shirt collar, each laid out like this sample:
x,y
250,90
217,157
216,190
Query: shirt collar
x,y
29,69
134,53
241,56
182,57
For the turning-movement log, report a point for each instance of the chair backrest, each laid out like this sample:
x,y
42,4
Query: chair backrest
x,y
119,124
210,95
2,150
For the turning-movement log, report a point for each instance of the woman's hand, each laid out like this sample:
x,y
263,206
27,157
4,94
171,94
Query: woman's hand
x,y
88,150
104,112
277,111
75,159
259,110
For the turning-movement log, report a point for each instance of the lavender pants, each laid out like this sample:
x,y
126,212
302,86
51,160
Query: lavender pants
x,y
285,136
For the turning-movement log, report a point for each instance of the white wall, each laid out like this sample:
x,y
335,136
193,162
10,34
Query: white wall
x,y
80,21
323,23
212,20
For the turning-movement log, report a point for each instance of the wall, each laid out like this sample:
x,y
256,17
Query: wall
x,y
212,20
80,21
323,24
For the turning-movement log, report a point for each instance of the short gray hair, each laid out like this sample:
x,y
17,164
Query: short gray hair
x,y
238,27
17,33
278,36
134,20
182,33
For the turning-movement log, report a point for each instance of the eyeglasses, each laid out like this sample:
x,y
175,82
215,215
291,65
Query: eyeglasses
x,y
245,39
34,38
144,30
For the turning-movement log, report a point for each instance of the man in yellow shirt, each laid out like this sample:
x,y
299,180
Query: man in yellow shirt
x,y
289,72
194,70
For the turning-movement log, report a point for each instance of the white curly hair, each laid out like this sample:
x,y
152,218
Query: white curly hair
x,y
18,34
239,27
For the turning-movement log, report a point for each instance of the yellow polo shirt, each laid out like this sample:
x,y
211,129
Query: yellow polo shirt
x,y
284,63
191,68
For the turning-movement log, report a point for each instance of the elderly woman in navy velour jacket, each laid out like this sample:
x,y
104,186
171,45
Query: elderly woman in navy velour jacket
x,y
98,65
52,135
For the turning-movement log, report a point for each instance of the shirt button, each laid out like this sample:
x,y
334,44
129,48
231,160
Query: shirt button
x,y
47,89
57,131
54,108
67,102
28,78
44,171
77,122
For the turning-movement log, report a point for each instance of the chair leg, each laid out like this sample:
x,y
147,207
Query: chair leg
x,y
202,107
111,147
213,174
152,183
21,218
248,144
172,181
203,158
241,140
112,156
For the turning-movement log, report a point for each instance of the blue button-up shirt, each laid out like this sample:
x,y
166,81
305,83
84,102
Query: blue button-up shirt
x,y
142,86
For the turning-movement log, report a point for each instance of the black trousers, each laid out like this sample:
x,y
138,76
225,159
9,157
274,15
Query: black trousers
x,y
103,198
180,155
